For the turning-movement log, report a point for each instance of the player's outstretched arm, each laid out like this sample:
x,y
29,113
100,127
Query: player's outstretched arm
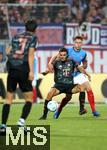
x,y
82,70
50,64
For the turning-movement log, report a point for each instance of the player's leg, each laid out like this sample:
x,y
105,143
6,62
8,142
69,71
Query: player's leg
x,y
53,92
6,108
90,96
11,87
26,87
82,102
28,96
64,101
80,79
68,90
76,89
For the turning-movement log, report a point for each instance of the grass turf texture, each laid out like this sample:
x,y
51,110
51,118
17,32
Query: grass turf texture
x,y
71,131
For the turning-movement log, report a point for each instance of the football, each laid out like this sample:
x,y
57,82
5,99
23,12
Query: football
x,y
52,105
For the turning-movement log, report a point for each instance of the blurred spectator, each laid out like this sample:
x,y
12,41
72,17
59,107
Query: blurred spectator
x,y
3,23
79,17
3,62
104,21
3,1
74,11
104,9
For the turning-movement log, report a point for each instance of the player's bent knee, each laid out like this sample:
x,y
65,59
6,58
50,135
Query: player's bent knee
x,y
9,98
80,88
87,86
28,96
53,92
50,95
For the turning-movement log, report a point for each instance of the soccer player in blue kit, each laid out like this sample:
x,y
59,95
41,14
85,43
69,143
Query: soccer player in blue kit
x,y
77,54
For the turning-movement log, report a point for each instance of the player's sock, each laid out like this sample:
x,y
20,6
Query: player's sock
x,y
5,113
90,96
45,112
64,101
26,110
82,100
34,95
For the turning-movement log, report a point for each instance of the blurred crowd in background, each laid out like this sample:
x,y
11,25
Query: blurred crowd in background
x,y
71,11
51,11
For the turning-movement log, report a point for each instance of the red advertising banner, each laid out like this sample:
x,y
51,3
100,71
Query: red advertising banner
x,y
51,36
48,35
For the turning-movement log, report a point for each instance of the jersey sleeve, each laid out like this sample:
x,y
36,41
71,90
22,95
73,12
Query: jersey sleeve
x,y
75,64
68,52
85,58
34,43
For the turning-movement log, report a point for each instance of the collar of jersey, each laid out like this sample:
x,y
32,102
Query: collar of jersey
x,y
76,50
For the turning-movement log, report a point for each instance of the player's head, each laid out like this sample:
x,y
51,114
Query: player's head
x,y
63,54
78,42
31,25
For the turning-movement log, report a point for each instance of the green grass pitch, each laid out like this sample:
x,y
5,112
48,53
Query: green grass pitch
x,y
71,131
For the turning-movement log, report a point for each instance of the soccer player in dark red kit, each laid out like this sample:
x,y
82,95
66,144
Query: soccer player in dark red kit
x,y
20,71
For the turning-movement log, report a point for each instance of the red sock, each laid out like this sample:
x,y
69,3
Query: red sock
x,y
90,96
63,103
34,95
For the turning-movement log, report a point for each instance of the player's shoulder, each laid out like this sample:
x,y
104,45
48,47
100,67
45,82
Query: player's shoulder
x,y
83,51
70,60
19,35
34,37
70,49
57,62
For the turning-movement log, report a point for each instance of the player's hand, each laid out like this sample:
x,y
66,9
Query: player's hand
x,y
50,67
31,76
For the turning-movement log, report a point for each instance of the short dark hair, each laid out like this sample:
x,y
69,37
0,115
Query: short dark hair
x,y
30,25
78,37
63,49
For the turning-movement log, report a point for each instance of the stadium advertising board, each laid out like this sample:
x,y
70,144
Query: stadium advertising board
x,y
97,60
49,35
95,35
98,83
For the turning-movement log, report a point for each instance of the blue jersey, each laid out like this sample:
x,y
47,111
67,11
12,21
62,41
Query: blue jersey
x,y
77,56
